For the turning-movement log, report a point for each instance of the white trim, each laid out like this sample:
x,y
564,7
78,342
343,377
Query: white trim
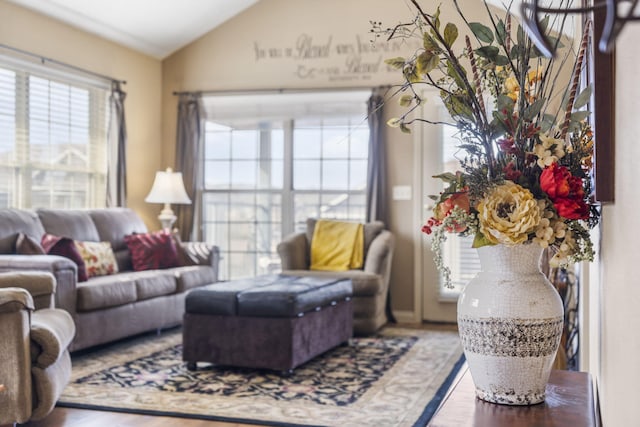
x,y
406,316
418,210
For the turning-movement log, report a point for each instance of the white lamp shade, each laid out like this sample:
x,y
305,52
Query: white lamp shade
x,y
168,187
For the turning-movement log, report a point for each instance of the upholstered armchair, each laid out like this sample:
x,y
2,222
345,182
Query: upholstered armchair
x,y
34,361
370,284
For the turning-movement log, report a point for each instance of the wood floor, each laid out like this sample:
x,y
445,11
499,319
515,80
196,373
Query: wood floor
x,y
66,417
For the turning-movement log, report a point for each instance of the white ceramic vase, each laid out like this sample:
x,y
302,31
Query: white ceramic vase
x,y
510,320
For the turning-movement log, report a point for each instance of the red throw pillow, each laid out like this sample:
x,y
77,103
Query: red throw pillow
x,y
64,246
150,251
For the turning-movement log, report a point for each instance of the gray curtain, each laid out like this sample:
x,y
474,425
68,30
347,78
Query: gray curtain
x,y
117,149
377,198
189,146
377,194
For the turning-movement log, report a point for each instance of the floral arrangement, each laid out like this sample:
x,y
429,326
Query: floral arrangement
x,y
525,147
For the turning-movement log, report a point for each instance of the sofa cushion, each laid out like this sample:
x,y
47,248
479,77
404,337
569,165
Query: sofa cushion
x,y
75,224
193,276
64,246
98,258
151,251
106,291
154,283
14,221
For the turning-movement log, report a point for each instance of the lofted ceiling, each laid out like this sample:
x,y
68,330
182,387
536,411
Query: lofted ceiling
x,y
154,27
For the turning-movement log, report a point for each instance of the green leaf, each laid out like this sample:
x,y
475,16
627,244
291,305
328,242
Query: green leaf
x,y
501,60
457,106
517,51
447,177
505,103
501,32
520,37
430,45
450,34
397,62
394,122
436,19
405,100
544,24
583,98
533,110
411,74
489,52
578,116
451,72
427,62
481,31
404,128
480,240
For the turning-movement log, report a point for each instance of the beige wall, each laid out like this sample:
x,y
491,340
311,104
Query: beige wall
x,y
619,374
259,50
34,33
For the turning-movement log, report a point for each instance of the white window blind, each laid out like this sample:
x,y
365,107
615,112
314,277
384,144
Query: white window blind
x,y
53,137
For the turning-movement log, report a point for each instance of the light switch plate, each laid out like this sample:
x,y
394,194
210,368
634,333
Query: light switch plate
x,y
401,192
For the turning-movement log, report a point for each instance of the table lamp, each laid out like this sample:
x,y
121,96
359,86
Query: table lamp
x,y
168,188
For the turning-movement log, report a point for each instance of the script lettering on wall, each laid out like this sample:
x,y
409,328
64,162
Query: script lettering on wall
x,y
330,59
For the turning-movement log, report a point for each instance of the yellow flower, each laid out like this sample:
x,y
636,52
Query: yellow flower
x,y
508,214
512,87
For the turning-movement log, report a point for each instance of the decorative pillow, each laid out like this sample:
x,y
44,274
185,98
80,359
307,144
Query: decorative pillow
x,y
184,257
27,245
8,244
98,258
64,246
151,251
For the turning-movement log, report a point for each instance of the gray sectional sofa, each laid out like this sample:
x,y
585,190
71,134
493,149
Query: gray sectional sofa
x,y
108,307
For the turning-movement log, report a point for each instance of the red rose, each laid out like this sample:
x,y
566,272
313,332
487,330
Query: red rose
x,y
565,191
572,209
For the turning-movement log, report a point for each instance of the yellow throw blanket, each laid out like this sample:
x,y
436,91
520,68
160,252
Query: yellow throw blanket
x,y
337,246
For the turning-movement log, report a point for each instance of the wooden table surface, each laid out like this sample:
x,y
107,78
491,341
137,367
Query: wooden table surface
x,y
569,402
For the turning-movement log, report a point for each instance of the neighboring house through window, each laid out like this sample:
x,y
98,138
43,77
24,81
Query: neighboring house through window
x,y
53,137
271,162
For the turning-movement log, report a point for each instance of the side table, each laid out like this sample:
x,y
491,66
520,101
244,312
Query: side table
x,y
569,402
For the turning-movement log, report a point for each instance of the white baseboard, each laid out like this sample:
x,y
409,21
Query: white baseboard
x,y
406,316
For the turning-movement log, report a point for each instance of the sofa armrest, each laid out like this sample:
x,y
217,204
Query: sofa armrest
x,y
52,331
63,269
40,284
378,257
200,253
294,252
15,368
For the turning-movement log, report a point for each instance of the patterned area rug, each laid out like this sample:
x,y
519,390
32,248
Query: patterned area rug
x,y
396,378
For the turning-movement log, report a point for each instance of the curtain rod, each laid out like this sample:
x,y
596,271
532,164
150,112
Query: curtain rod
x,y
279,91
44,60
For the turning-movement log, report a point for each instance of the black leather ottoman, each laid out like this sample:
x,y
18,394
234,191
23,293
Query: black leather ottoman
x,y
274,322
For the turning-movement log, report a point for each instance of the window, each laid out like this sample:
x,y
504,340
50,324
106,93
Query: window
x,y
457,252
271,162
52,138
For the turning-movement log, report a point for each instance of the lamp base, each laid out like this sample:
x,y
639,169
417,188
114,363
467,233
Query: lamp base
x,y
167,217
